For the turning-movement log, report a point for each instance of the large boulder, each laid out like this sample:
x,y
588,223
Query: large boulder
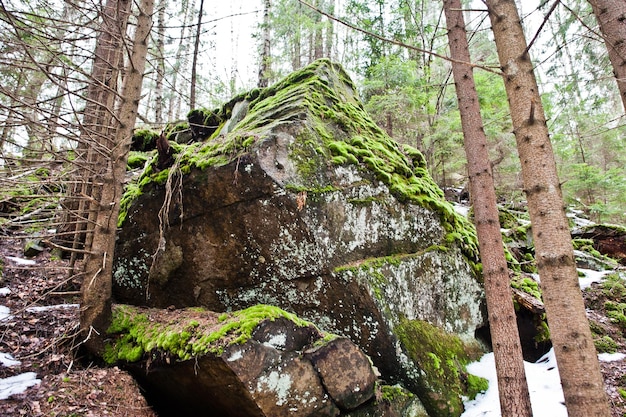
x,y
295,198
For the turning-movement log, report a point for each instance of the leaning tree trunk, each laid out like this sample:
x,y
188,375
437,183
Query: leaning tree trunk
x,y
95,309
611,16
512,386
571,337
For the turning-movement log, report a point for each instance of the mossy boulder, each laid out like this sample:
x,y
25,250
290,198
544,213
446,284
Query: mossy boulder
x,y
261,361
293,197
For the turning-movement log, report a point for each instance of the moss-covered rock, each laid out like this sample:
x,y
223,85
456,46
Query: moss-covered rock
x,y
294,197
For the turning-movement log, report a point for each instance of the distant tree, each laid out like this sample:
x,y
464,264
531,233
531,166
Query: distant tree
x,y
569,329
194,58
95,309
264,68
159,67
611,15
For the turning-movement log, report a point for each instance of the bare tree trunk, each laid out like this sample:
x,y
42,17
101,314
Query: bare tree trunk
x,y
611,15
180,63
512,386
571,337
96,290
194,64
264,70
160,64
318,38
96,128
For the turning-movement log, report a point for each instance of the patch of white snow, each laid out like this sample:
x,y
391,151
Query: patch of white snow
x,y
17,384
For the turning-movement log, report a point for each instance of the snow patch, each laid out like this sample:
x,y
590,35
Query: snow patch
x,y
611,357
21,261
8,360
591,276
5,291
544,384
17,384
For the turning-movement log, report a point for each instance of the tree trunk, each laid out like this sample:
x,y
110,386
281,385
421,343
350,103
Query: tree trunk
x,y
180,63
96,289
512,386
95,137
160,64
573,344
264,70
611,16
194,63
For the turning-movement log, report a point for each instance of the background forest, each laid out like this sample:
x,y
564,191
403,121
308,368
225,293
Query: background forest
x,y
200,56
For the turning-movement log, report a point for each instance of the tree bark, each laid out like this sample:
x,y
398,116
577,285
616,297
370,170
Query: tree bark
x,y
611,16
160,64
194,63
264,70
512,386
96,133
95,316
571,337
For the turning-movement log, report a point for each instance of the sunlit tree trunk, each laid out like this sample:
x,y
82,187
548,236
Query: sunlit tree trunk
x,y
569,329
95,309
512,386
611,16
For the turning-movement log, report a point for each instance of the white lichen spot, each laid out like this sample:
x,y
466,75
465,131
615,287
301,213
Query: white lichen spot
x,y
236,355
277,383
277,341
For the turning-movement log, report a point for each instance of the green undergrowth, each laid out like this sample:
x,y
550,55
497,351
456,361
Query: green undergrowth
x,y
189,333
442,357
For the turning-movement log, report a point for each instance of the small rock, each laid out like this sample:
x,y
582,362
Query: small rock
x,y
346,372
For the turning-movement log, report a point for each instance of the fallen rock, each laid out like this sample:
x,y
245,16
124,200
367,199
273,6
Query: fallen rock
x,y
261,361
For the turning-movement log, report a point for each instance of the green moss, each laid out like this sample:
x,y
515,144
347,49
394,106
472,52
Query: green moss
x,y
605,344
528,285
144,140
442,358
137,159
614,287
622,392
476,385
133,335
395,393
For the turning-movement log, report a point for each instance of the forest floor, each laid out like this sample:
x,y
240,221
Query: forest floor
x,y
39,331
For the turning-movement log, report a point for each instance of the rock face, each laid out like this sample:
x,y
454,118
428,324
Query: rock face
x,y
295,198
